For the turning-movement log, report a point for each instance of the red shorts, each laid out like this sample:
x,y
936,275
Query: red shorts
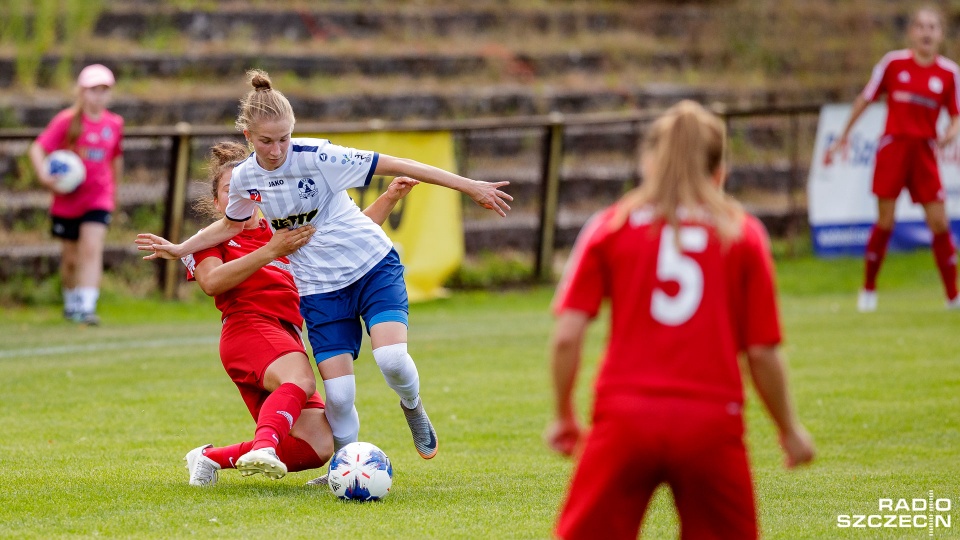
x,y
907,162
249,343
635,445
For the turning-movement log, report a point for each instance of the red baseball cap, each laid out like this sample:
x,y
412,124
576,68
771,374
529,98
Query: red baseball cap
x,y
95,75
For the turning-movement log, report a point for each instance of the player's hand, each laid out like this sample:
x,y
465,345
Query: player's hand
x,y
400,187
489,196
160,247
837,146
797,444
563,436
286,241
47,182
946,140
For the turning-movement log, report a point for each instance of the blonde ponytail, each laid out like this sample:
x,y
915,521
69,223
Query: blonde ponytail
x,y
686,147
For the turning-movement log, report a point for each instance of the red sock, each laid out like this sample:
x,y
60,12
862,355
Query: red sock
x,y
226,456
945,253
876,250
298,455
278,414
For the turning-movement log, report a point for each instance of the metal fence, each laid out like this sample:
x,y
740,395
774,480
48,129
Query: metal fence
x,y
562,168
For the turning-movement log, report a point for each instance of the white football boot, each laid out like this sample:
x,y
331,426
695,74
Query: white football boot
x,y
203,470
867,301
264,461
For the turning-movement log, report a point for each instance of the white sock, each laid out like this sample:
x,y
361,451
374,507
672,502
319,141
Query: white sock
x,y
71,302
87,299
400,372
341,410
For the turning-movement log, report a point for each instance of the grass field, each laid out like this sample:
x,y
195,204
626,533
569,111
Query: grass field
x,y
96,420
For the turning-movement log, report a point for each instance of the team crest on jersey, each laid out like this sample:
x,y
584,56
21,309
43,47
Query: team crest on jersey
x,y
936,85
903,76
255,195
308,188
106,133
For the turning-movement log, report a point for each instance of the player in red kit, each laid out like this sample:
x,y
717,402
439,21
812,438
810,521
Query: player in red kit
x,y
260,343
690,282
917,83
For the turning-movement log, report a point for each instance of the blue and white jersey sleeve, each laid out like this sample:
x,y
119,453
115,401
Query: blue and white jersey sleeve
x,y
242,202
343,168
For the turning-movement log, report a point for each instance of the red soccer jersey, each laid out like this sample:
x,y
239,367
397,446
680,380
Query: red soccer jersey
x,y
915,93
678,316
270,290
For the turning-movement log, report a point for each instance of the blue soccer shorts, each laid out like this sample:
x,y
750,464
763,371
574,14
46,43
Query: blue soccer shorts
x,y
333,318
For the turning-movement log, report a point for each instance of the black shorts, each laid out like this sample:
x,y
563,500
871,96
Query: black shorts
x,y
69,228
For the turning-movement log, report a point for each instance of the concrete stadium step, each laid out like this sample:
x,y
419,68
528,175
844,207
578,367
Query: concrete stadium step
x,y
305,24
233,65
454,102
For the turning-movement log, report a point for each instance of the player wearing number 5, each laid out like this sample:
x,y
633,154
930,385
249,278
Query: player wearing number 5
x,y
690,282
918,83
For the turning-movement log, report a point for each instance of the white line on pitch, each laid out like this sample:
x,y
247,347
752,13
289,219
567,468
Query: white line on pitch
x,y
113,346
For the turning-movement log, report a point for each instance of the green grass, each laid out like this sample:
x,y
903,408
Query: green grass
x,y
96,420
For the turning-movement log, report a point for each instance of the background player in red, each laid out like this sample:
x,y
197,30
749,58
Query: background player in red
x,y
918,82
690,281
80,218
260,344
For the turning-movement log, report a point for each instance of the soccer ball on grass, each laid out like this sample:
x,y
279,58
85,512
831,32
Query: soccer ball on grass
x,y
360,471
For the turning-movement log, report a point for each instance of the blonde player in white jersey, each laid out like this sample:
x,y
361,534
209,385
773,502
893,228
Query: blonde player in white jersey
x,y
349,269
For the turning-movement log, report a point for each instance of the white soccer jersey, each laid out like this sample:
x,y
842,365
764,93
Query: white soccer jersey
x,y
310,187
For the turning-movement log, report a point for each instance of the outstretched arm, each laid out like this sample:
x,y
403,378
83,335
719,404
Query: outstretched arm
x,y
380,209
218,232
486,194
563,434
859,105
770,380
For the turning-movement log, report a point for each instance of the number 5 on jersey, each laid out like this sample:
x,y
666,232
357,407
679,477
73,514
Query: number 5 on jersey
x,y
674,265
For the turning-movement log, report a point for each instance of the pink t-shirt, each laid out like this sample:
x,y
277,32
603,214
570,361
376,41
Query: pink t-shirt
x,y
99,144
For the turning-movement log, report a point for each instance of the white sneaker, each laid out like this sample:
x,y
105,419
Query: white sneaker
x,y
954,304
203,470
264,461
867,301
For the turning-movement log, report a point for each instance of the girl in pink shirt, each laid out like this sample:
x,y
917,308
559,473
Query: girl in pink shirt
x,y
80,218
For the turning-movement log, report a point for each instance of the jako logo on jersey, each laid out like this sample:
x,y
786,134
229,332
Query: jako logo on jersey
x,y
903,76
936,85
290,221
322,157
308,188
255,195
275,183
